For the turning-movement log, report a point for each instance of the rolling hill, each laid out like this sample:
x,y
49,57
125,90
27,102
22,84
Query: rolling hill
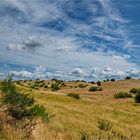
x,y
96,115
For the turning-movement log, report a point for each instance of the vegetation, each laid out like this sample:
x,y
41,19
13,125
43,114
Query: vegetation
x,y
112,80
92,82
74,95
104,125
46,86
137,96
134,90
128,77
122,95
95,89
20,107
99,83
55,87
82,86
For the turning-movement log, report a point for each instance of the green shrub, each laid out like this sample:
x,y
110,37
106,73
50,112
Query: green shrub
x,y
42,84
74,95
46,86
134,90
122,95
82,86
21,108
55,87
137,97
95,89
63,84
99,83
84,137
104,125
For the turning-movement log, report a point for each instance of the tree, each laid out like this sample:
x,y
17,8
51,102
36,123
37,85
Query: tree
x,y
99,83
128,77
21,107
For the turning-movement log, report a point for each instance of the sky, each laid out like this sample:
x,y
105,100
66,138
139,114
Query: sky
x,y
70,39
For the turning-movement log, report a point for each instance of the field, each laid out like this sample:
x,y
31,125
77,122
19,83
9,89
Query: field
x,y
79,119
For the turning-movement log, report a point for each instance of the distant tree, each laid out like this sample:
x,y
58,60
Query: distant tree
x,y
99,83
128,77
92,82
112,80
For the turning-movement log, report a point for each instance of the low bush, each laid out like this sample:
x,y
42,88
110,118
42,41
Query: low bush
x,y
82,86
46,86
137,98
134,90
95,89
104,125
122,95
74,95
55,87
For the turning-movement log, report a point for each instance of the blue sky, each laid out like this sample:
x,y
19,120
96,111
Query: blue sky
x,y
70,39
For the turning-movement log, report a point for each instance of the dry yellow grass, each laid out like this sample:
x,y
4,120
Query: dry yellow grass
x,y
75,118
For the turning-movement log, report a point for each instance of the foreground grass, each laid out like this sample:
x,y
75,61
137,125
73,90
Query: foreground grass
x,y
77,118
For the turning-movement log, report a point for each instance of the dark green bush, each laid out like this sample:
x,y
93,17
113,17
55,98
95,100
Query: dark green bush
x,y
99,83
63,84
122,95
134,90
46,86
74,95
92,82
82,86
128,77
55,87
95,89
104,125
112,80
137,97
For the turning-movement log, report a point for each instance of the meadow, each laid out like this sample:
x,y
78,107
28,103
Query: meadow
x,y
95,116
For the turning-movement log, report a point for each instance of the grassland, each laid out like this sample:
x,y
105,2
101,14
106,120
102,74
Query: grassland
x,y
78,119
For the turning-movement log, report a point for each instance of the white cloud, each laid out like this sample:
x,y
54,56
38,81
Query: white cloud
x,y
134,72
22,74
29,43
78,72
